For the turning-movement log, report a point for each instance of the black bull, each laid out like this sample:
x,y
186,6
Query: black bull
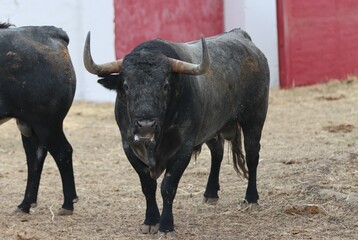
x,y
167,107
37,86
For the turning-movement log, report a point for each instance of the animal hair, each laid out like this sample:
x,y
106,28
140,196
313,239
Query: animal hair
x,y
238,156
6,25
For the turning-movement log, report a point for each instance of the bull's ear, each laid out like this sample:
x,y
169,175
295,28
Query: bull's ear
x,y
111,82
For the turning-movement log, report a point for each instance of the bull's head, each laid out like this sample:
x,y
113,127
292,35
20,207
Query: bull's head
x,y
143,81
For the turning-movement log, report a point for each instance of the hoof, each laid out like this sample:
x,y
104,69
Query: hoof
x,y
167,235
246,206
18,211
64,212
210,201
151,229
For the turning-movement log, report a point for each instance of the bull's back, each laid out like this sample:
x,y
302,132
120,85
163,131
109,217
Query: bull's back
x,y
36,73
236,84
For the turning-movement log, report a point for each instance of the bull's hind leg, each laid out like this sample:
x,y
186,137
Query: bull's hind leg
x,y
216,146
61,151
35,156
252,136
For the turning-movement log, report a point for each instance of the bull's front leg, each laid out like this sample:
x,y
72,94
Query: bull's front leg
x,y
174,171
151,221
149,187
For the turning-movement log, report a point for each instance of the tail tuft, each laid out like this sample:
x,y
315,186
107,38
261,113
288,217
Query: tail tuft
x,y
238,156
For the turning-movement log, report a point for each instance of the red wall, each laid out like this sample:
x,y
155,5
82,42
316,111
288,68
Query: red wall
x,y
318,40
177,20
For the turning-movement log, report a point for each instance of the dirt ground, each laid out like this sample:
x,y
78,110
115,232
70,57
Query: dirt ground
x,y
307,178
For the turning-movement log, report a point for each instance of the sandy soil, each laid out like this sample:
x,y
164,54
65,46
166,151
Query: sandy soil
x,y
307,178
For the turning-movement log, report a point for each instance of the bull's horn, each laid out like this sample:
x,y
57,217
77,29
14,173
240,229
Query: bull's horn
x,y
99,69
190,68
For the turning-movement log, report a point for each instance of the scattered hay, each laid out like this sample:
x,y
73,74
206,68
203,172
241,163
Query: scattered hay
x,y
349,198
302,165
304,210
290,162
25,236
345,128
331,98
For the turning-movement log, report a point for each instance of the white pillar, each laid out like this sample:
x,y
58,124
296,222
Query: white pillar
x,y
258,18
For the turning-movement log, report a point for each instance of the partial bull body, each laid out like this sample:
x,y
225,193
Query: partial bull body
x,y
37,86
167,107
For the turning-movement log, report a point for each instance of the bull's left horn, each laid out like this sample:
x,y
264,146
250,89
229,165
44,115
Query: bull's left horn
x,y
191,68
99,69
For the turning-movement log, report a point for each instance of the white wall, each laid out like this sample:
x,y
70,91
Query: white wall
x,y
258,18
76,17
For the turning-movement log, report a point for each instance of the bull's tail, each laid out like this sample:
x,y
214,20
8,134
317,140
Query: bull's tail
x,y
238,156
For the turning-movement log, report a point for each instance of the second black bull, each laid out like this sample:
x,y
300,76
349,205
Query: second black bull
x,y
167,107
37,86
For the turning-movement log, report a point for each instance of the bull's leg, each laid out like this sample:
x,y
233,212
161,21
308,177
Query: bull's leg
x,y
252,136
61,151
149,187
152,215
175,170
216,146
35,156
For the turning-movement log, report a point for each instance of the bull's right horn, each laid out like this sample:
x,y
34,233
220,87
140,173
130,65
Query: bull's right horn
x,y
99,69
190,68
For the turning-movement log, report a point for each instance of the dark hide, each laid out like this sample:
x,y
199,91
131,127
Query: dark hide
x,y
186,111
37,86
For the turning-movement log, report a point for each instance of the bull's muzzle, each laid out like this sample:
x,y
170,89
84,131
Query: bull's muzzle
x,y
144,130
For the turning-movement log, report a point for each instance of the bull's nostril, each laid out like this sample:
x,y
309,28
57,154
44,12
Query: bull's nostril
x,y
152,123
138,123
